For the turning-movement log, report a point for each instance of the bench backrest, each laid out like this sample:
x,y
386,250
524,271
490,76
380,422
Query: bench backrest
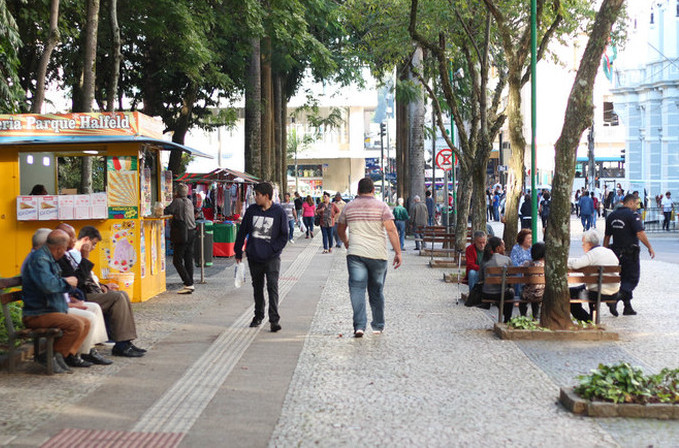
x,y
535,275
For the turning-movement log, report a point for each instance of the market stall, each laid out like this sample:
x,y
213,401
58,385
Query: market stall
x,y
129,190
227,193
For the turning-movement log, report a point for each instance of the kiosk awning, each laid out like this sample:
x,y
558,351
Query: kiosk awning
x,y
79,140
218,175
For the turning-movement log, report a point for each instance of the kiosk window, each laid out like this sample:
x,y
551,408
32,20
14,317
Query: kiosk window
x,y
70,169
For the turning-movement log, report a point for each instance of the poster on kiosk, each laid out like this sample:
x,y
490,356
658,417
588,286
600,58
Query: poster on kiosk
x,y
128,188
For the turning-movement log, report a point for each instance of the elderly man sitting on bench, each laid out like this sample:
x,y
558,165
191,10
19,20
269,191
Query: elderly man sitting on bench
x,y
595,255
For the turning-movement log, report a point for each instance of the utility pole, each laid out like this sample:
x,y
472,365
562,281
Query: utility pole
x,y
382,132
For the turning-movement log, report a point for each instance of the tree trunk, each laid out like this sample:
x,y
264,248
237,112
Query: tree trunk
x,y
253,108
579,113
279,151
52,42
516,161
284,135
182,127
116,58
267,102
478,199
90,55
464,195
416,149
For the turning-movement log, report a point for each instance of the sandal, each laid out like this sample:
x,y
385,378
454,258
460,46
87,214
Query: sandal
x,y
325,251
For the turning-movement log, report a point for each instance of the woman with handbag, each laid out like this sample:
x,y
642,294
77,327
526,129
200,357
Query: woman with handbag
x,y
182,236
325,214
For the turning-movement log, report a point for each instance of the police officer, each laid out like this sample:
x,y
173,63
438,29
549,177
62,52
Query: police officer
x,y
627,229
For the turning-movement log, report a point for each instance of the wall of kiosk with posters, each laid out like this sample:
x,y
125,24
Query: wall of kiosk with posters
x,y
42,160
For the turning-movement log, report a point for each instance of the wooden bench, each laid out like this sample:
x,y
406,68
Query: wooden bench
x,y
11,292
511,275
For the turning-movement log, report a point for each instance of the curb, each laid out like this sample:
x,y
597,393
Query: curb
x,y
504,332
572,402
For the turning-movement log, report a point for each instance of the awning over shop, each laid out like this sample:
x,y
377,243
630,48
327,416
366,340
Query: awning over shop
x,y
79,140
218,175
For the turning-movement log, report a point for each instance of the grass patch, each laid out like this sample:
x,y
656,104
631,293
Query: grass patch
x,y
525,323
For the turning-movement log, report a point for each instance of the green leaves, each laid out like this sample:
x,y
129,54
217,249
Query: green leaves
x,y
10,42
622,383
525,323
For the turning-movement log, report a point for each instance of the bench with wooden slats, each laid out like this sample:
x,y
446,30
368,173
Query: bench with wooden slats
x,y
11,292
535,275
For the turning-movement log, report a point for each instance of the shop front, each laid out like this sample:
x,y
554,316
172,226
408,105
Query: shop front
x,y
120,154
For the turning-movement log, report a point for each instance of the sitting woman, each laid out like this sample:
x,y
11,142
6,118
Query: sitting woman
x,y
533,292
495,257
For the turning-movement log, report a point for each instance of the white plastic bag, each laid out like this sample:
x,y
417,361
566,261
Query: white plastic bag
x,y
239,275
302,227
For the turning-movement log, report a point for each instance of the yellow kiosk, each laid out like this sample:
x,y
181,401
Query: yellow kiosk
x,y
129,188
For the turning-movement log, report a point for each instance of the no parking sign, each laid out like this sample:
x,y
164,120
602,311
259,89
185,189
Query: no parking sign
x,y
445,159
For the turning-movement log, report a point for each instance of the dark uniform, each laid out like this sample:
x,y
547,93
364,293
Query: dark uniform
x,y
623,225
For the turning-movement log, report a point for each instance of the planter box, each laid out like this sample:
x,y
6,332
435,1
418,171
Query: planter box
x,y
577,405
600,334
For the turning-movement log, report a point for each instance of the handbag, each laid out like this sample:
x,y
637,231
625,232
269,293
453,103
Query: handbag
x,y
475,295
179,232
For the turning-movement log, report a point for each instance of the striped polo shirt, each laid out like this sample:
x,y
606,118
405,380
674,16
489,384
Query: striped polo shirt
x,y
364,218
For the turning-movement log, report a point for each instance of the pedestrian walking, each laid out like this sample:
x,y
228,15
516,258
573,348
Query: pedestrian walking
x,y
265,225
339,202
182,236
526,211
308,212
429,201
667,208
298,208
291,213
418,218
496,204
545,208
586,211
367,219
626,228
326,211
401,219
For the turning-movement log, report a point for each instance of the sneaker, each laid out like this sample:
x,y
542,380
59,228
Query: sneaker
x,y
275,326
256,322
358,333
187,290
292,241
378,331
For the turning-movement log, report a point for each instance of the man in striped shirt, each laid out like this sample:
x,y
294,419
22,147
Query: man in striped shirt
x,y
367,219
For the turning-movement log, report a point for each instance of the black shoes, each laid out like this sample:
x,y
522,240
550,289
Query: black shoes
x,y
629,311
76,361
256,322
95,358
137,349
126,350
275,326
58,365
613,307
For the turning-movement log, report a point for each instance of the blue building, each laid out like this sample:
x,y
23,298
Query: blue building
x,y
646,96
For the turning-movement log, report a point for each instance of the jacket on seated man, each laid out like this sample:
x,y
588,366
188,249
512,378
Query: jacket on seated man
x,y
115,304
45,305
595,255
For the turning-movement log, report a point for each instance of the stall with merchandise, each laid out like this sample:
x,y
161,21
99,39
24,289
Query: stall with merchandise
x,y
48,161
223,195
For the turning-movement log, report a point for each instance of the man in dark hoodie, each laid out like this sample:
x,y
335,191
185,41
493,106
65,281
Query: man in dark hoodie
x,y
266,226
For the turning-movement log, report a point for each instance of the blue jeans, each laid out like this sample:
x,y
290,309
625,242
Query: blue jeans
x,y
309,224
367,273
291,229
327,237
472,278
335,235
585,220
401,227
418,236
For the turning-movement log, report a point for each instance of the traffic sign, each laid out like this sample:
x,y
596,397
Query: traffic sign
x,y
445,159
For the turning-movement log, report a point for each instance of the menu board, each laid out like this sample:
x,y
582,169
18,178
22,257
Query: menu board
x,y
99,205
48,208
66,207
123,187
81,206
27,208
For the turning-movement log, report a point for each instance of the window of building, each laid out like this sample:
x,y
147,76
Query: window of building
x,y
610,117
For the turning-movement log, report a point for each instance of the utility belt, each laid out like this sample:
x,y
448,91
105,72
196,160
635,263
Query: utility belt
x,y
632,250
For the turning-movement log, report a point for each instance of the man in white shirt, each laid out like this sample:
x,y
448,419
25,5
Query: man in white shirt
x,y
595,255
667,206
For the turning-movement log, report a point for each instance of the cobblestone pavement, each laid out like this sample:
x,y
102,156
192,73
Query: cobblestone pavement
x,y
436,377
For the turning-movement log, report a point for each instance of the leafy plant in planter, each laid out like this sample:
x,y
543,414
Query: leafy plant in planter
x,y
525,323
622,383
15,313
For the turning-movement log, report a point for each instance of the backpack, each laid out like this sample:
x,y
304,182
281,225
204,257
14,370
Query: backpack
x,y
546,204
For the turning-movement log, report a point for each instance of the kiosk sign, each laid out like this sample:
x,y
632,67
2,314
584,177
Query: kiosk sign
x,y
445,159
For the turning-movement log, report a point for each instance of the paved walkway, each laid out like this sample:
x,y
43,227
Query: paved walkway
x,y
436,377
